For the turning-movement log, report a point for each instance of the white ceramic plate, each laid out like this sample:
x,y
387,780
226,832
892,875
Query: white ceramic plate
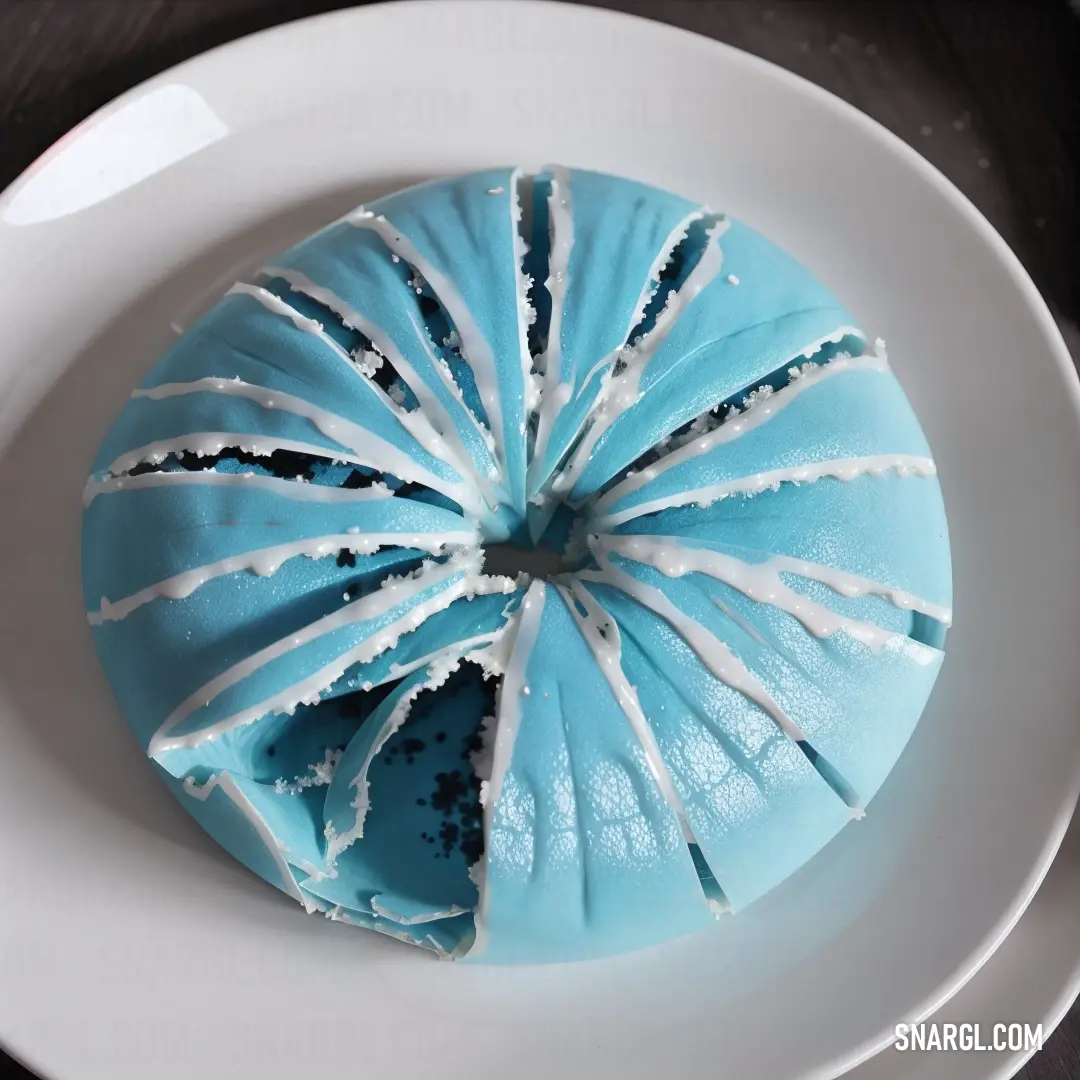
x,y
1032,978
130,946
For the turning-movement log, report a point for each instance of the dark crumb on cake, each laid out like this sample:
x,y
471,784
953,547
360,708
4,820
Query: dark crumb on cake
x,y
409,747
450,808
457,797
448,834
449,787
472,844
363,478
346,557
286,464
142,468
407,491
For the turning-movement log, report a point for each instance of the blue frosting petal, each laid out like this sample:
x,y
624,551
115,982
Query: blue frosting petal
x,y
197,525
888,528
219,625
422,830
728,338
833,685
465,228
584,855
619,229
358,269
241,339
855,414
756,805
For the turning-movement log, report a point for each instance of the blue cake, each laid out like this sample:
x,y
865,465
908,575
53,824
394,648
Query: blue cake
x,y
747,576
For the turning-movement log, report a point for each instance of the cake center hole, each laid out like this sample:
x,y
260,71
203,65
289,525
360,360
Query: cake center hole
x,y
510,560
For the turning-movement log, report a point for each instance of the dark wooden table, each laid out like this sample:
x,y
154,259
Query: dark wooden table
x,y
987,90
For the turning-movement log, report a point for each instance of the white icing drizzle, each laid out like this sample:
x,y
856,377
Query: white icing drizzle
x,y
279,307
290,489
760,582
724,665
318,775
845,469
440,669
601,633
314,874
526,627
394,591
441,665
474,346
373,453
853,585
648,290
471,648
228,787
266,561
481,758
210,443
390,929
417,421
621,391
351,435
428,916
556,392
714,653
526,313
759,412
494,656
519,640
663,257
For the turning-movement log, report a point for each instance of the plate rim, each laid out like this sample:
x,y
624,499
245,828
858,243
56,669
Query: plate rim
x,y
1004,1065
